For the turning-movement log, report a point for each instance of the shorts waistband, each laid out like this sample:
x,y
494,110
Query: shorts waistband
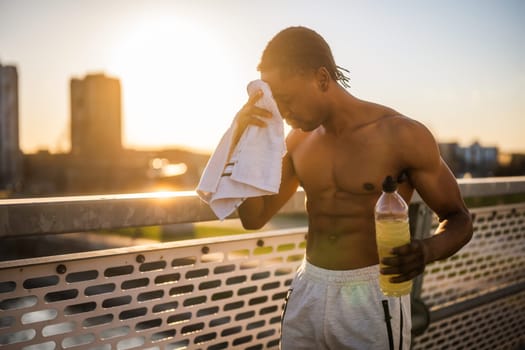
x,y
364,274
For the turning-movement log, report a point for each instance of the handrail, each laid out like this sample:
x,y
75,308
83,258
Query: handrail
x,y
32,216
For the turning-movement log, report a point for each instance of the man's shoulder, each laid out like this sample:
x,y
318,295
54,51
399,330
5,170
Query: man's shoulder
x,y
402,126
295,136
384,117
412,140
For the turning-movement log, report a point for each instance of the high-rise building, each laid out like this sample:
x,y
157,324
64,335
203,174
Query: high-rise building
x,y
96,122
10,154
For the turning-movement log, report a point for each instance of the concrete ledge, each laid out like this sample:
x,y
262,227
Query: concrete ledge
x,y
31,216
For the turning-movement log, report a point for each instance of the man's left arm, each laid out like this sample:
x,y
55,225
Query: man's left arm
x,y
438,188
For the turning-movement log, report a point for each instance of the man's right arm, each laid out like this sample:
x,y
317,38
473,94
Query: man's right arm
x,y
255,212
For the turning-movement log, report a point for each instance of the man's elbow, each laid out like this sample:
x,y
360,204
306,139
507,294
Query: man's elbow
x,y
468,224
251,223
252,214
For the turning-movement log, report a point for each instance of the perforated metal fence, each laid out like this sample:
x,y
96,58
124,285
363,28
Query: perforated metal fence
x,y
206,294
493,259
477,297
497,324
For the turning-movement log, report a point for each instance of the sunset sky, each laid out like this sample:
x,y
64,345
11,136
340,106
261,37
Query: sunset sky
x,y
456,66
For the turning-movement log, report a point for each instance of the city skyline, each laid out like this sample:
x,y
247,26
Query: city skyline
x,y
458,68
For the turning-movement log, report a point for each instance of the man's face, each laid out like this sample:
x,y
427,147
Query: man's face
x,y
298,98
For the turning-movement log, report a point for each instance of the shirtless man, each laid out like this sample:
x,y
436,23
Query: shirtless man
x,y
339,150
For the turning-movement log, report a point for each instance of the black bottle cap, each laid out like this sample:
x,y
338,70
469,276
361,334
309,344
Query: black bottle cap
x,y
389,185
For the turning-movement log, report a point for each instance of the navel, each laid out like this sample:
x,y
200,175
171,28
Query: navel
x,y
368,186
333,238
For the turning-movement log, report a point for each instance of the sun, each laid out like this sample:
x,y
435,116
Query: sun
x,y
176,76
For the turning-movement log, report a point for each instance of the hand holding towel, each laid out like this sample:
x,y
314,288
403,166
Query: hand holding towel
x,y
254,168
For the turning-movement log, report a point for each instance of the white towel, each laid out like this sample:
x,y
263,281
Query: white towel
x,y
255,166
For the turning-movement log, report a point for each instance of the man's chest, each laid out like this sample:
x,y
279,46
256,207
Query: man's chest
x,y
356,166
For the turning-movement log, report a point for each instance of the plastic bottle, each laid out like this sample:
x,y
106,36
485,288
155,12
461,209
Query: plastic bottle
x,y
392,230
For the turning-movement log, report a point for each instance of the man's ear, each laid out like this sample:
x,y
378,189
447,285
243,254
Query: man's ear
x,y
323,78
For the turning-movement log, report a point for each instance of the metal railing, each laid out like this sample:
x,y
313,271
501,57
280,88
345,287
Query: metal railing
x,y
228,292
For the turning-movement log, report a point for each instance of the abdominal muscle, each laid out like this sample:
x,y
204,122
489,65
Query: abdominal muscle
x,y
341,234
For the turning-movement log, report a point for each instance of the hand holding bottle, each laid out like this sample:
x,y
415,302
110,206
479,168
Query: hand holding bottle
x,y
406,261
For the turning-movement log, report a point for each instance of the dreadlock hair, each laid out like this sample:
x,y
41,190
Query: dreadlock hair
x,y
297,49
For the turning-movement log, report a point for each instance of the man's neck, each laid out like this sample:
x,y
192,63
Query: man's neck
x,y
346,113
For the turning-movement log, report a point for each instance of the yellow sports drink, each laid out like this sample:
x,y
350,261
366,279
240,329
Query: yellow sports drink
x,y
392,230
391,234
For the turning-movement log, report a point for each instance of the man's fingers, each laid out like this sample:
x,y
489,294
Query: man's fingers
x,y
407,262
406,249
401,260
254,97
251,114
252,109
249,111
258,122
405,277
253,117
400,265
403,273
261,112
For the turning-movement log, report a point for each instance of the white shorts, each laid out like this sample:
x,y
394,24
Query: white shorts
x,y
332,309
